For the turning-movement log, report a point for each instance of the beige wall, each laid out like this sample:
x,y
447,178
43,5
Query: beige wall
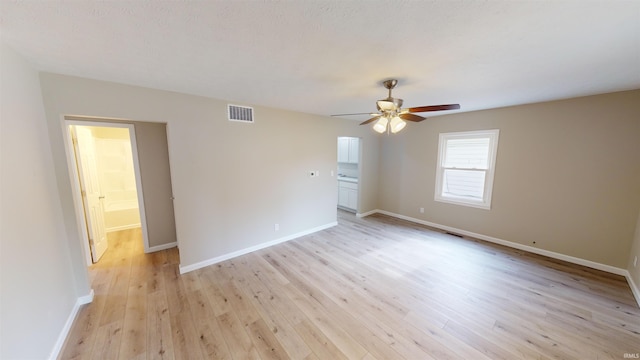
x,y
567,175
39,286
155,178
232,182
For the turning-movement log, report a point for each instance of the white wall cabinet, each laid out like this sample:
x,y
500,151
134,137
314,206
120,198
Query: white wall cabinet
x,y
348,195
348,150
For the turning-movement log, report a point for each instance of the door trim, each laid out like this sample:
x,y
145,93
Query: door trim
x,y
75,182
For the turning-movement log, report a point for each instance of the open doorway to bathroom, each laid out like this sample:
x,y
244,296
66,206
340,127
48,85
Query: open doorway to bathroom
x,y
108,180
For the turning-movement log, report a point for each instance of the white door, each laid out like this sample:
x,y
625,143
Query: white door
x,y
91,194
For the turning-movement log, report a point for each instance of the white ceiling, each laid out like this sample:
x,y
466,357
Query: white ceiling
x,y
327,57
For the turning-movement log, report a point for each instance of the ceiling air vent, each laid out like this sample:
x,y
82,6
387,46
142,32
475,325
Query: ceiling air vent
x,y
240,113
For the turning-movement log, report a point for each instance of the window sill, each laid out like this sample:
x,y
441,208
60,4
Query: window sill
x,y
463,202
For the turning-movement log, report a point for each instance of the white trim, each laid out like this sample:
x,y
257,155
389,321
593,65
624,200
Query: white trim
x,y
551,254
217,259
571,259
76,191
86,299
485,202
632,285
161,247
69,120
123,227
361,215
57,347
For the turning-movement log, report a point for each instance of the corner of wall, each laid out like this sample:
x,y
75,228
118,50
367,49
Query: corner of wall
x,y
82,300
633,267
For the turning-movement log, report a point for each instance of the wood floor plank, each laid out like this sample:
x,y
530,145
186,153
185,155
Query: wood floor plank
x,y
266,343
238,341
244,309
184,337
174,288
327,322
263,302
370,288
218,301
269,288
159,342
298,276
134,329
108,340
210,338
321,345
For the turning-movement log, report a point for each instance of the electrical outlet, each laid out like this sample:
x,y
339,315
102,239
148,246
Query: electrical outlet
x,y
276,227
421,210
635,261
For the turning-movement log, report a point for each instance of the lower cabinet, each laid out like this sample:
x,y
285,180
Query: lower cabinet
x,y
348,195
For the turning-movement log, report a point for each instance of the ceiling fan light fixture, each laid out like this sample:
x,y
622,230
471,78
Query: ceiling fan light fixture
x,y
391,117
381,125
397,124
384,105
389,104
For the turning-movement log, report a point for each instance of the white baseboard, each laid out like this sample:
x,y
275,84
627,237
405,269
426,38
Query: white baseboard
x,y
161,247
634,288
361,215
82,300
123,227
531,249
217,259
551,254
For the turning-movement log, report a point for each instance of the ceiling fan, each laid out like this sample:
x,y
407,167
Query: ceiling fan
x,y
391,116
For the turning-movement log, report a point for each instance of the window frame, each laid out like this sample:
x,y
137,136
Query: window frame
x,y
485,203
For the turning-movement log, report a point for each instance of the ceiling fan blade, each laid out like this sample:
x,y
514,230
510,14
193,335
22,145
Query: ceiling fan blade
x,y
411,117
367,113
370,120
434,108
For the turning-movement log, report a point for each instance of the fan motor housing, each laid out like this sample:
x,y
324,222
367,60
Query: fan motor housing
x,y
389,104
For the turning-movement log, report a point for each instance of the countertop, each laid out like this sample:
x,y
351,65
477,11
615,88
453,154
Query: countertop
x,y
348,179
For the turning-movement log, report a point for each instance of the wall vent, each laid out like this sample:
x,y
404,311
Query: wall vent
x,y
240,113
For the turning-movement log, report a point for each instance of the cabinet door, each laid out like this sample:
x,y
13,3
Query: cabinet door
x,y
354,150
352,202
343,150
343,197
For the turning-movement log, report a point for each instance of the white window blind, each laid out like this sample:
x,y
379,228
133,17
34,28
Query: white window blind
x,y
465,167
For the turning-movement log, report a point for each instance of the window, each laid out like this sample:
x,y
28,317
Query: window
x,y
466,163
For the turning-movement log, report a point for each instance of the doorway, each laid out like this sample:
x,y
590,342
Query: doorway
x,y
349,173
148,143
107,174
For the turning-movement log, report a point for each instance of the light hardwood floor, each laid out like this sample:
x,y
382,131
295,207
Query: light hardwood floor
x,y
372,288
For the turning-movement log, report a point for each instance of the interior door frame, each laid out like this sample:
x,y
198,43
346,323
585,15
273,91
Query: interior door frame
x,y
360,155
68,121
